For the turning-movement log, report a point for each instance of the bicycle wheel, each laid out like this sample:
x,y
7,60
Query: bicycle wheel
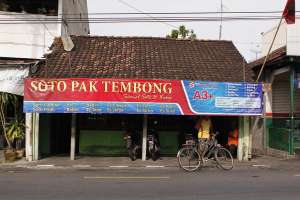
x,y
189,159
224,158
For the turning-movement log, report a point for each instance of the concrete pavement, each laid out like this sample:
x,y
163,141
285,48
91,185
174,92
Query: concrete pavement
x,y
63,162
148,184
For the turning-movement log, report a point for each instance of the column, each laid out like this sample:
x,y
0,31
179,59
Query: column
x,y
240,153
247,138
35,136
28,136
73,137
244,144
144,146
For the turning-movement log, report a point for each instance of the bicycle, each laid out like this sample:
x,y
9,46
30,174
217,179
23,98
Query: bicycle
x,y
190,159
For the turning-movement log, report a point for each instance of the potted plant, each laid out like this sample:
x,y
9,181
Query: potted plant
x,y
7,99
15,132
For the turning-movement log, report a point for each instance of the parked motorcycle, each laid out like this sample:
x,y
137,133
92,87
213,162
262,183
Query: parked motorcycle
x,y
189,139
153,145
132,146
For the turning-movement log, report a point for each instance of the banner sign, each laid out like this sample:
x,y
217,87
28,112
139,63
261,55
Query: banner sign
x,y
12,79
298,84
169,97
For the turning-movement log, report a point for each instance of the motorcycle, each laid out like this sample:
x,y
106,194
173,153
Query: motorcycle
x,y
153,146
189,139
132,147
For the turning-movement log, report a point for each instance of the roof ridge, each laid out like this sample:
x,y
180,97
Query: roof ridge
x,y
148,37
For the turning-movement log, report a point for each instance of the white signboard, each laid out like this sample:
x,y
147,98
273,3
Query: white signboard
x,y
12,79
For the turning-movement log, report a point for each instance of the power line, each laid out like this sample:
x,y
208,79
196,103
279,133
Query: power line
x,y
137,19
149,15
159,13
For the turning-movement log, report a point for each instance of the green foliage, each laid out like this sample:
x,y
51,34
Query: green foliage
x,y
182,33
15,131
3,6
174,34
6,99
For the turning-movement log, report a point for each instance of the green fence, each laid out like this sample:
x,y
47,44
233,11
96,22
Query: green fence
x,y
297,134
168,143
111,143
104,143
279,138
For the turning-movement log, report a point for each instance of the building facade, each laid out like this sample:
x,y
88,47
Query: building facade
x,y
120,64
280,133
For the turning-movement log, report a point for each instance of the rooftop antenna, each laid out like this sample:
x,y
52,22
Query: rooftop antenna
x,y
256,51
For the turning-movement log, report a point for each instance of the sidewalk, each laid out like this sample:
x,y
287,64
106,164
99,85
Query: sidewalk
x,y
83,162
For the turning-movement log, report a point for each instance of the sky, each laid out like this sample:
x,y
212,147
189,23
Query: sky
x,y
246,35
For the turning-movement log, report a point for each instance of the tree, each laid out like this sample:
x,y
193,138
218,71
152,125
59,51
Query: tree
x,y
182,33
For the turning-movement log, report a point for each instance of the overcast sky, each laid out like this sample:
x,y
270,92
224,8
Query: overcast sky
x,y
246,35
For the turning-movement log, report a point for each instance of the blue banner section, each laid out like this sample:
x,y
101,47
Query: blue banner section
x,y
224,98
298,84
102,107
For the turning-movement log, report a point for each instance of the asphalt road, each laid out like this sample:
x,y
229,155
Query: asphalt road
x,y
166,183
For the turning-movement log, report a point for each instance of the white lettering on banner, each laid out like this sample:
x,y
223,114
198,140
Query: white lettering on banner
x,y
237,102
12,79
137,87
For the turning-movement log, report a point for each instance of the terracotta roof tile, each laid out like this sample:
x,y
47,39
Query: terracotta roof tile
x,y
145,58
274,55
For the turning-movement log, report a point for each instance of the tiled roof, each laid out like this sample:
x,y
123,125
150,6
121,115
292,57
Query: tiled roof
x,y
273,57
145,58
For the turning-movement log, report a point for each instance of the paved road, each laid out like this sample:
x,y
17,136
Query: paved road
x,y
166,183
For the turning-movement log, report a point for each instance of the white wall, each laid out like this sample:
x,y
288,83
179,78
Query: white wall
x,y
26,40
288,35
293,39
33,40
268,36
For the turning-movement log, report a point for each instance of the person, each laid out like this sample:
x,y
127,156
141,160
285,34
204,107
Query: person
x,y
205,128
233,137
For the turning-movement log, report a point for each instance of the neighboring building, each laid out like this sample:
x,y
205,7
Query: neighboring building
x,y
22,35
281,122
27,29
134,60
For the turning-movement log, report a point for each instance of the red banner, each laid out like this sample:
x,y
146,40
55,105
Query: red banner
x,y
106,90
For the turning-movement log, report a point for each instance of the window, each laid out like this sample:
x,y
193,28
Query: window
x,y
45,7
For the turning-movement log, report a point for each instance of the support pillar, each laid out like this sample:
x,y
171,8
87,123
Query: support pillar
x,y
28,136
267,99
144,145
244,144
73,137
248,138
35,136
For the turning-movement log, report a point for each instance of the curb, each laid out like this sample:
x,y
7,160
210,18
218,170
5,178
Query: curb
x,y
118,167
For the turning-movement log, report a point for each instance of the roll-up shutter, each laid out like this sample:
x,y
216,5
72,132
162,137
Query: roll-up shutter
x,y
281,94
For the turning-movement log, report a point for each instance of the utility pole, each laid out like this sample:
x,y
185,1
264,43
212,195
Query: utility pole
x,y
221,21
